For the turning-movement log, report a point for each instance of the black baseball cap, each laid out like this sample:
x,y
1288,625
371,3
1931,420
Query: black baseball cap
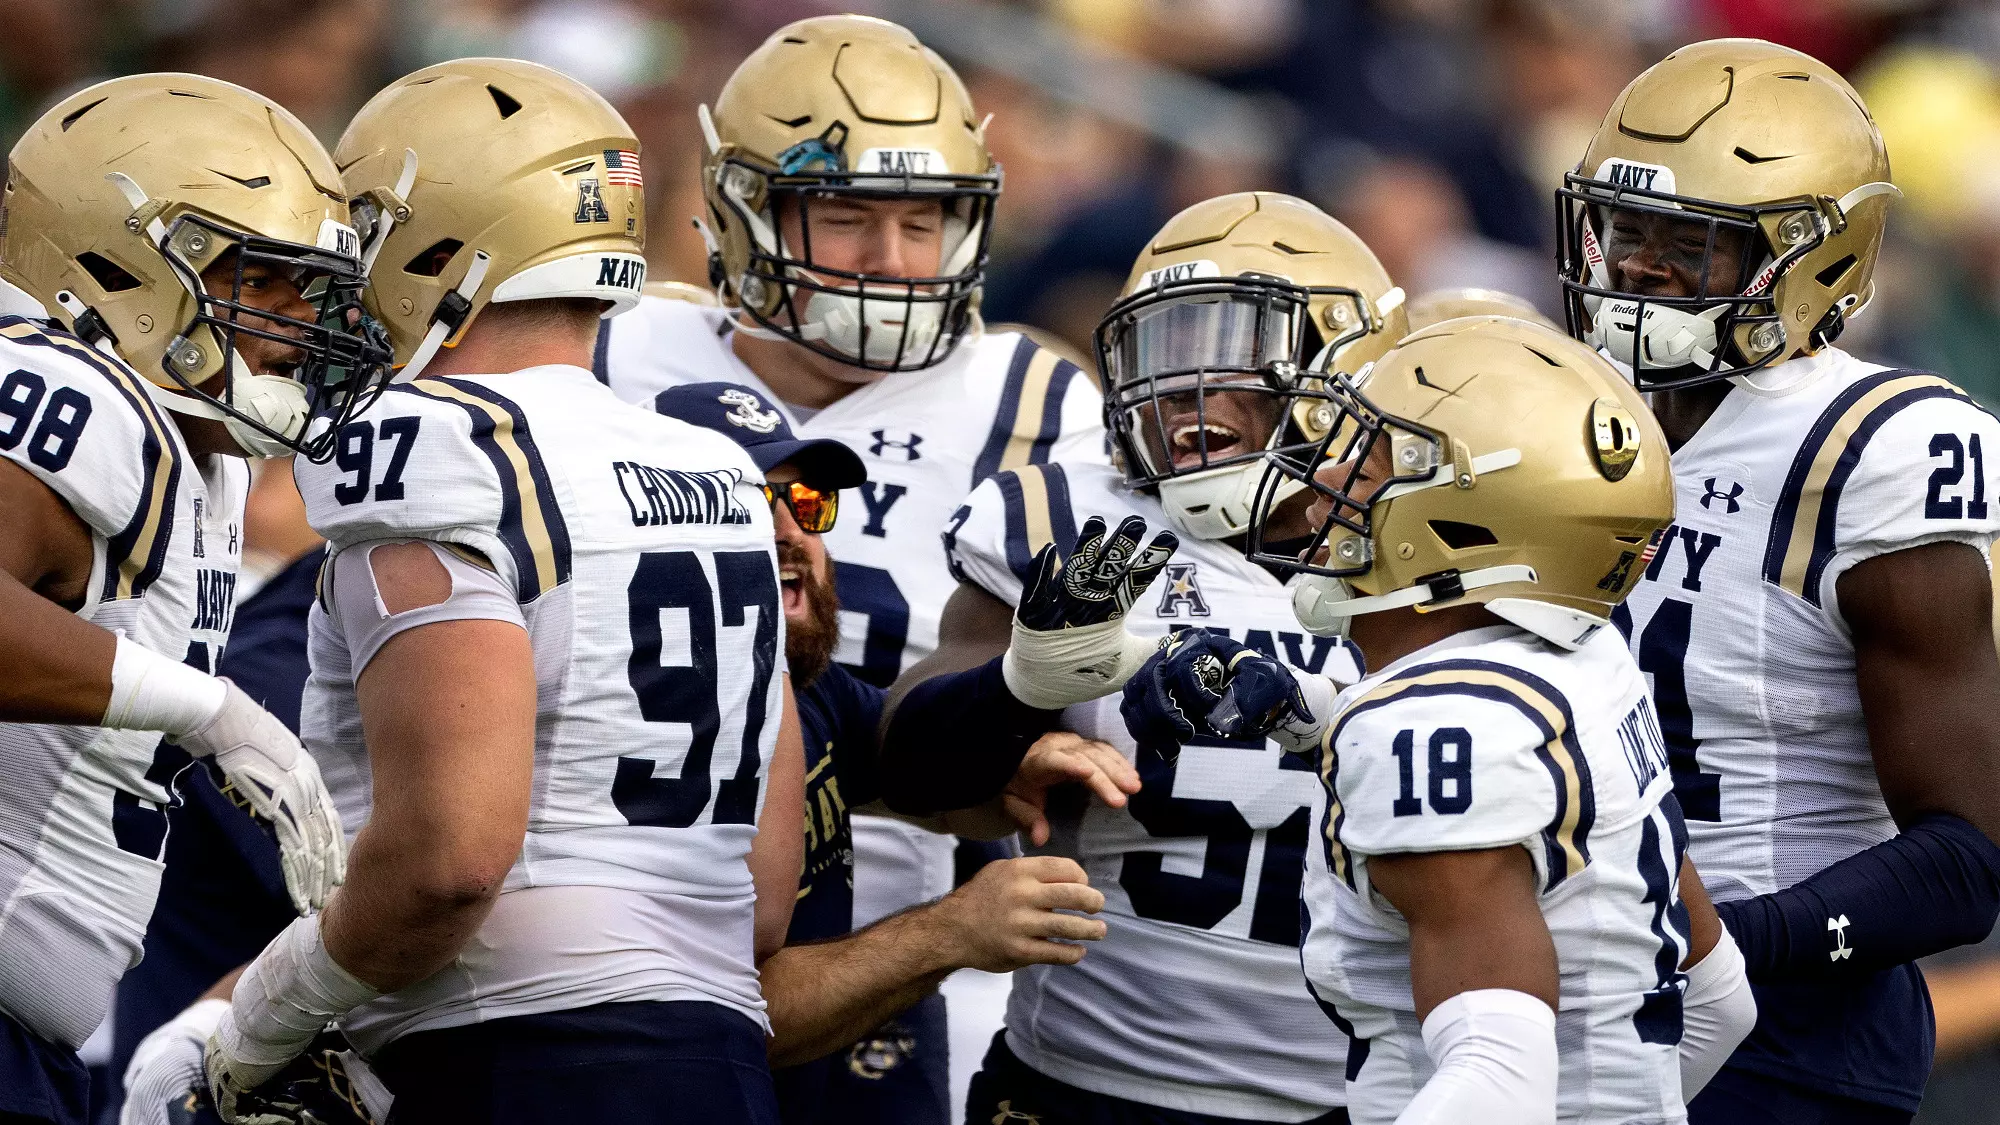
x,y
760,428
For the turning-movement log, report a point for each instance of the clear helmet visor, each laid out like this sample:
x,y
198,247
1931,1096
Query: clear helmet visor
x,y
1200,380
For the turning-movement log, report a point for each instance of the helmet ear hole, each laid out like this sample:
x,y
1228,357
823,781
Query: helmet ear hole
x,y
432,260
1458,536
1831,275
108,275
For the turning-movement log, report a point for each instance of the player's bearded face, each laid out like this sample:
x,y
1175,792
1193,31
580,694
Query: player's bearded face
x,y
812,609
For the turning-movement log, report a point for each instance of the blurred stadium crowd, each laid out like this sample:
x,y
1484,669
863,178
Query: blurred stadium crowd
x,y
1437,129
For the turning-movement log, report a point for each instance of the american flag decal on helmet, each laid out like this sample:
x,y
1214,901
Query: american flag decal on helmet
x,y
621,166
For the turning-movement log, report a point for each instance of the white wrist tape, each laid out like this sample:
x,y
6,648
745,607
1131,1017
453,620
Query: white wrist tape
x,y
1054,669
288,995
1495,1051
1717,1012
151,692
1301,736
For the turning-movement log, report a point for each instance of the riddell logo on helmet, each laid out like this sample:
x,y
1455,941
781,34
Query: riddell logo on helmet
x,y
1657,178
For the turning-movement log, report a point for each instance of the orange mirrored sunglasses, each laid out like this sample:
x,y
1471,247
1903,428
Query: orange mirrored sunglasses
x,y
815,510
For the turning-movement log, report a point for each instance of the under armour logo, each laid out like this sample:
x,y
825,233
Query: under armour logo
x,y
1009,1113
1730,506
1841,950
884,441
1182,593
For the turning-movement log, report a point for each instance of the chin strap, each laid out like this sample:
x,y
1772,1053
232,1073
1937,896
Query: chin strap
x,y
1324,613
450,314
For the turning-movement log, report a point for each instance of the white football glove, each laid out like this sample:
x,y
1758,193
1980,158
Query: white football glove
x,y
167,1069
1069,642
269,769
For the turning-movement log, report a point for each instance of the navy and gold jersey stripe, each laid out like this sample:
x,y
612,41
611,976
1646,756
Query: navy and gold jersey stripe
x,y
137,553
1029,420
1036,500
1335,817
1801,541
531,521
1566,839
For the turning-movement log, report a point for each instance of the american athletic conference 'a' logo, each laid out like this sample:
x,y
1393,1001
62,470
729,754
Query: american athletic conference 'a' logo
x,y
1182,593
908,444
1727,497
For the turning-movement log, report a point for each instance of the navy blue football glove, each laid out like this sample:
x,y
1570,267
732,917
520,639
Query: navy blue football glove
x,y
1203,684
1103,576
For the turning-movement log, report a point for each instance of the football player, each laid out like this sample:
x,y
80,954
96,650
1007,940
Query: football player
x,y
850,199
1815,623
830,985
545,661
194,281
1193,1008
1497,852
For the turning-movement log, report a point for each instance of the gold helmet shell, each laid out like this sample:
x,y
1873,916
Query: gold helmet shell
x,y
854,107
1750,141
1520,467
122,194
1440,305
484,180
1229,320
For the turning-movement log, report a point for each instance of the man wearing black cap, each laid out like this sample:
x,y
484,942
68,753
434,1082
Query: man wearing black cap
x,y
826,994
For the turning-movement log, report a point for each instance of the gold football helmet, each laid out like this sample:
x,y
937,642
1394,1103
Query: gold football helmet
x,y
1440,305
1238,304
121,195
1485,459
482,180
846,107
1753,173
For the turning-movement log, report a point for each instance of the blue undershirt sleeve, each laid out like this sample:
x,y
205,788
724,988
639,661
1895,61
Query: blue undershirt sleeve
x,y
1933,887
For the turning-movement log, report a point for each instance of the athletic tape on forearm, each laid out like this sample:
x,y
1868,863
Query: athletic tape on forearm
x,y
955,741
1717,1012
151,692
1055,668
1301,736
287,996
1495,1050
1935,886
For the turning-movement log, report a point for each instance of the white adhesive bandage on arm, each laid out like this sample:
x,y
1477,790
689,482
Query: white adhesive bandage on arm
x,y
285,998
152,692
1055,668
357,608
1717,1012
1495,1051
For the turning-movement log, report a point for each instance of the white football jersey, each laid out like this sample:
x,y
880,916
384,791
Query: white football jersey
x,y
998,402
1736,620
1486,739
640,549
1194,1000
82,825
